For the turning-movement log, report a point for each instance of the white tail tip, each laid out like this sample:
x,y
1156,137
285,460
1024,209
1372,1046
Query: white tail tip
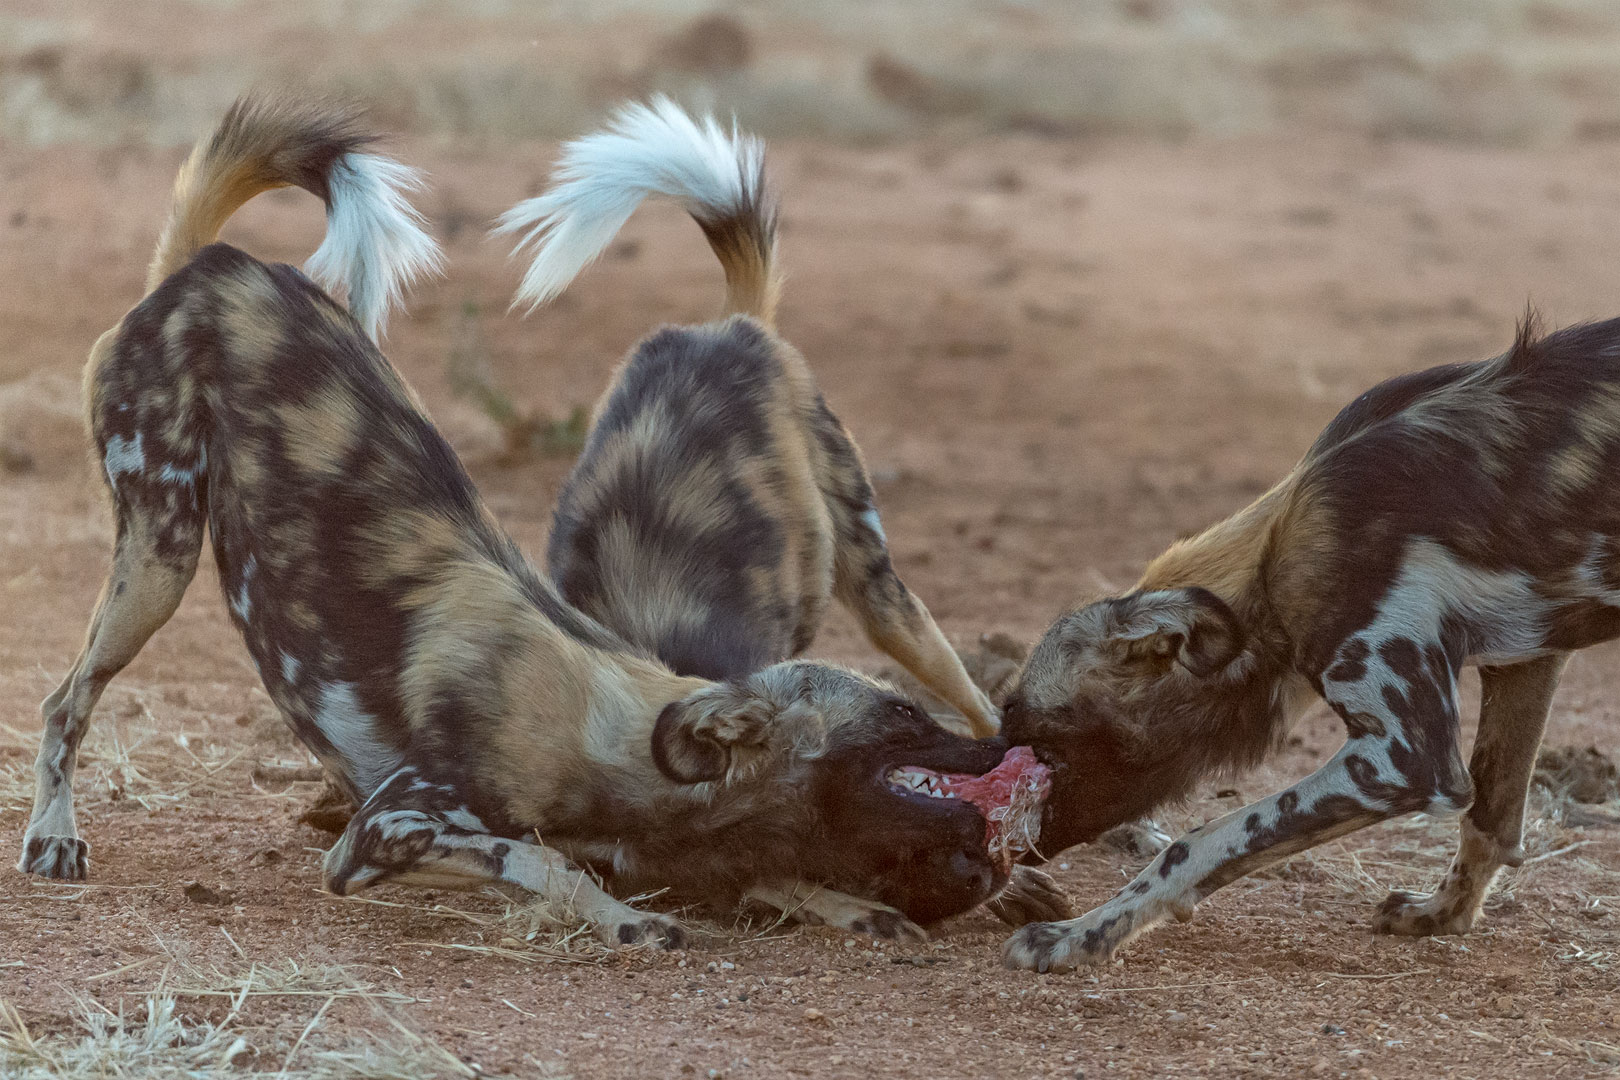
x,y
599,180
375,244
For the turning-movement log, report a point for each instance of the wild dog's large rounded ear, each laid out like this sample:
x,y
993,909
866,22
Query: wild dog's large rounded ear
x,y
1192,625
711,734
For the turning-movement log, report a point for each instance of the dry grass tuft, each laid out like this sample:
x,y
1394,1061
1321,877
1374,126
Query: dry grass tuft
x,y
285,978
155,1041
531,930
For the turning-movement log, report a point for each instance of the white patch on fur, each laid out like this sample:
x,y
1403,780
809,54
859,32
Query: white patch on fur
x,y
169,474
122,457
290,667
352,732
403,770
1502,614
654,149
393,824
1588,573
375,245
240,604
1505,616
871,521
1501,610
463,818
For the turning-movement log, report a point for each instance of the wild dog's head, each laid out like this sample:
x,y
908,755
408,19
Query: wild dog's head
x,y
872,797
1132,700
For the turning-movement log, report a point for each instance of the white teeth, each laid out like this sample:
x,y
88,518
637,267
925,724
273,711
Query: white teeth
x,y
920,783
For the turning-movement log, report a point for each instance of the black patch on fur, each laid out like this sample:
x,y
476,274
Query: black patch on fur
x,y
1351,665
1174,855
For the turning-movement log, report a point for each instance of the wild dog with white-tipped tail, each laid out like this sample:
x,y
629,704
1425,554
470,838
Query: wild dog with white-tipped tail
x,y
719,504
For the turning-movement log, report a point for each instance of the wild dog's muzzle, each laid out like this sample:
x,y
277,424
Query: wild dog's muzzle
x,y
1011,797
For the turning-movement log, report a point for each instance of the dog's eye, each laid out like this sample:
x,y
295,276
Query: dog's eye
x,y
907,710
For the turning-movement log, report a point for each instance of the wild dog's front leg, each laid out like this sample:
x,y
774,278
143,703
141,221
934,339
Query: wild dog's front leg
x,y
1398,700
1322,806
418,832
1513,714
814,905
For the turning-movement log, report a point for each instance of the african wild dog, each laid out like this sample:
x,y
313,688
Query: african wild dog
x,y
719,504
1461,515
443,682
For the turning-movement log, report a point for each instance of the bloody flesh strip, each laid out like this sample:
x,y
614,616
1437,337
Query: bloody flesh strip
x,y
1010,797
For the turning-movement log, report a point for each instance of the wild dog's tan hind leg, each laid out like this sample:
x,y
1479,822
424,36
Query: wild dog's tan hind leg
x,y
814,905
899,624
865,581
154,559
418,832
1512,716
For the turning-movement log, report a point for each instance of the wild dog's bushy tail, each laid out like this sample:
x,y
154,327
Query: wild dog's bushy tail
x,y
375,245
653,149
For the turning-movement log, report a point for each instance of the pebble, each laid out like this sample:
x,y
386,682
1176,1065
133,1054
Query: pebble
x,y
198,893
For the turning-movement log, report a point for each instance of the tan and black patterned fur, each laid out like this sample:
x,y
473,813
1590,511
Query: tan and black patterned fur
x,y
720,505
462,702
1463,515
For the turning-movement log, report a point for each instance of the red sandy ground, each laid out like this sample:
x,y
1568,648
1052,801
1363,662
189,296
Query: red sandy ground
x,y
1057,357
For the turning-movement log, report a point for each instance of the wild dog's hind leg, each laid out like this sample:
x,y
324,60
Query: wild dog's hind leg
x,y
1512,716
865,581
418,832
814,905
159,535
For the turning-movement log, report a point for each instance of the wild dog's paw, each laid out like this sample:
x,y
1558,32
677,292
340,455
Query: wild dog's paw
x,y
828,907
885,922
1416,915
1143,838
1030,896
1063,946
644,928
64,858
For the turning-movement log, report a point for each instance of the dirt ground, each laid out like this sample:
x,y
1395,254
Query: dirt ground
x,y
1057,356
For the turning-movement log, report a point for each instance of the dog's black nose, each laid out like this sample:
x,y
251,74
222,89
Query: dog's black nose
x,y
971,871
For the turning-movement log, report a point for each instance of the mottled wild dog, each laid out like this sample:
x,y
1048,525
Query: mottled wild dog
x,y
445,684
719,504
1463,515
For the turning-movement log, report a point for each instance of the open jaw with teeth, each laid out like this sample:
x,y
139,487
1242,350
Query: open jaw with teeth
x,y
1010,797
